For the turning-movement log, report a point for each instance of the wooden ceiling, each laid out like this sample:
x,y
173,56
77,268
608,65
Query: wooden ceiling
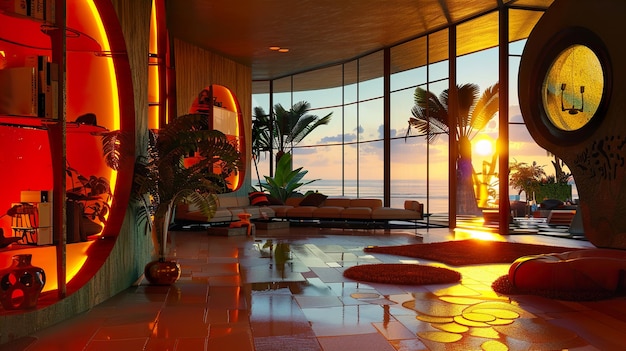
x,y
321,33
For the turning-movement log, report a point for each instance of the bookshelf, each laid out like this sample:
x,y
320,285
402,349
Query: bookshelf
x,y
55,66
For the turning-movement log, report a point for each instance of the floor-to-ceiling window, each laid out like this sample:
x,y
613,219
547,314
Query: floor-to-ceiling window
x,y
347,155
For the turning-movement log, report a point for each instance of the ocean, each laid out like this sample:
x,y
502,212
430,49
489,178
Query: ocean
x,y
401,190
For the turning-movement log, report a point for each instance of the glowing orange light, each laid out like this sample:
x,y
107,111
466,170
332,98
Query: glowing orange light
x,y
45,257
464,233
114,94
153,75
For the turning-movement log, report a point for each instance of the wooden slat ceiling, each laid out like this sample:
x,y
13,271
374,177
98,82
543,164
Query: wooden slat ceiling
x,y
320,33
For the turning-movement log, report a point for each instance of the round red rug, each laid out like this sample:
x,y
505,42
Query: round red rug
x,y
402,274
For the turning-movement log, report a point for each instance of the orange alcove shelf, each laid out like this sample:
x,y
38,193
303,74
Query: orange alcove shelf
x,y
220,103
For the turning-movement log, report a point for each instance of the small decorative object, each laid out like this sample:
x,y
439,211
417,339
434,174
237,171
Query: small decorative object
x,y
162,272
21,283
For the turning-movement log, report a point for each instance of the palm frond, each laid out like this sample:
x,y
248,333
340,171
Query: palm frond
x,y
485,108
467,96
293,125
431,114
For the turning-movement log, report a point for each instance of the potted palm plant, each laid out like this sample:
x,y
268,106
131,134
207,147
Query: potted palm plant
x,y
285,181
163,180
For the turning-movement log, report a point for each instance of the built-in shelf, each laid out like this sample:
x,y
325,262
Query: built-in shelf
x,y
35,34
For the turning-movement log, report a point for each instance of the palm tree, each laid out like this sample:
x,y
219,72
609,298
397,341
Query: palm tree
x,y
261,136
162,180
291,126
431,117
524,177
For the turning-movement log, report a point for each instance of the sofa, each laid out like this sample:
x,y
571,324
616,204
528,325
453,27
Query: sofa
x,y
228,210
311,207
347,209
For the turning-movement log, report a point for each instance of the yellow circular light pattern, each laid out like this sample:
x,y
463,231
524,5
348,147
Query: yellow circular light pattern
x,y
440,336
573,88
494,345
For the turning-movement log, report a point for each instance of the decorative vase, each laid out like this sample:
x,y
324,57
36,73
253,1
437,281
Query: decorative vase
x,y
162,272
21,283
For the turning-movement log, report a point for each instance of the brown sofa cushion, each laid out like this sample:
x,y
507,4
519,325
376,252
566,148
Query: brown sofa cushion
x,y
357,213
330,212
362,202
337,202
301,212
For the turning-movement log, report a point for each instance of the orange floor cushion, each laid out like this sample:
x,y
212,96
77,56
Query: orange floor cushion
x,y
580,270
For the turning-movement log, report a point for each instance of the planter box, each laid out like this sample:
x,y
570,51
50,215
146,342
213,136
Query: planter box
x,y
561,192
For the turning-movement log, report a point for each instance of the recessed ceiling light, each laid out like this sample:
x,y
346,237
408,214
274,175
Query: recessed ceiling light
x,y
283,50
275,48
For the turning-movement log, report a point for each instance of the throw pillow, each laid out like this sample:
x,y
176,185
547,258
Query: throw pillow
x,y
314,199
258,198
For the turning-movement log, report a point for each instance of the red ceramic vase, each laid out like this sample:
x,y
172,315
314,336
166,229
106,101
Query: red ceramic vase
x,y
162,272
21,283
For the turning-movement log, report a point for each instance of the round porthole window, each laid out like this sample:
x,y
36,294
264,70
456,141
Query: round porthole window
x,y
573,88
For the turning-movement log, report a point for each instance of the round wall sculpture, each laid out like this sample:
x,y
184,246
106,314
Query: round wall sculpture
x,y
572,82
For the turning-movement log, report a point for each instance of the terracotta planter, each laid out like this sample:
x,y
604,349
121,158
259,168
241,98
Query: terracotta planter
x,y
21,283
162,272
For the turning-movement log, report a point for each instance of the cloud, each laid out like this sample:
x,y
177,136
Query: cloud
x,y
381,132
338,138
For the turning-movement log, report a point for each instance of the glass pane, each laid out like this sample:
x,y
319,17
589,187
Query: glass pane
x,y
370,76
401,104
321,88
371,169
371,120
325,134
282,92
322,163
350,137
477,128
521,23
408,63
480,68
438,51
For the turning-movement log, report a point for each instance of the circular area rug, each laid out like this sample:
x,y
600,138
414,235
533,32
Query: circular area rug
x,y
402,274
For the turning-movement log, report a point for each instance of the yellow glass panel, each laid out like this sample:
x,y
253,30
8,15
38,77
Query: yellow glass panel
x,y
440,336
452,327
499,313
573,88
464,321
478,317
434,319
494,345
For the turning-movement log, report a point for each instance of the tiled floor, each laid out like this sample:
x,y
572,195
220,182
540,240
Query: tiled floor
x,y
234,296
